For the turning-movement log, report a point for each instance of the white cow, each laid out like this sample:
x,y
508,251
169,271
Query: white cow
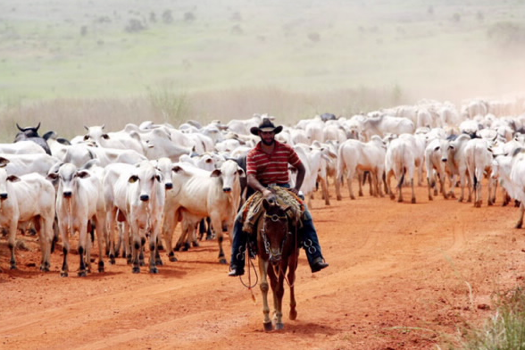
x,y
20,164
517,177
315,161
478,157
199,194
384,124
21,147
158,143
80,207
456,166
418,145
357,157
137,199
118,140
435,166
400,162
27,199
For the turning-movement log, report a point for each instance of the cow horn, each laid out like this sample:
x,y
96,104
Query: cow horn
x,y
38,126
19,128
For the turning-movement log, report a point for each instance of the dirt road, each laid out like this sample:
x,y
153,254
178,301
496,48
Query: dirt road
x,y
401,276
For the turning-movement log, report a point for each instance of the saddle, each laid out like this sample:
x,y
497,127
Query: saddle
x,y
253,208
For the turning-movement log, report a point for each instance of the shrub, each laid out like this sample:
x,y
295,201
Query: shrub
x,y
314,36
507,34
167,17
134,25
189,17
171,105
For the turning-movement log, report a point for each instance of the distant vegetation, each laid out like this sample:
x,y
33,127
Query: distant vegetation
x,y
231,59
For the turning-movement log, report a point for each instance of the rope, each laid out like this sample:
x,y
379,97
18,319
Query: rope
x,y
249,285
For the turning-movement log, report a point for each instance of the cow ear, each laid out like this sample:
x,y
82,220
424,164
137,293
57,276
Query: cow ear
x,y
52,176
105,136
13,178
216,173
241,172
177,168
82,174
133,179
3,162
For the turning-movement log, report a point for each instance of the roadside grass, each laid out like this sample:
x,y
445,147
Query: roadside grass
x,y
505,330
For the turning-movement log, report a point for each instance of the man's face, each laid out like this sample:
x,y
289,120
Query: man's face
x,y
267,137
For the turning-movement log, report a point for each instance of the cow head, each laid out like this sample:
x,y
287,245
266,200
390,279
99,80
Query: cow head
x,y
146,179
4,179
229,174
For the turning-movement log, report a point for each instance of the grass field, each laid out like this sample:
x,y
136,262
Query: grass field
x,y
229,59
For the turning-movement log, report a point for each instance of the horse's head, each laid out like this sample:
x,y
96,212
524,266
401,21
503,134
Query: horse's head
x,y
276,230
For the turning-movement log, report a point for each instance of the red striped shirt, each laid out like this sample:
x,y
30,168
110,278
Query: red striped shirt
x,y
271,168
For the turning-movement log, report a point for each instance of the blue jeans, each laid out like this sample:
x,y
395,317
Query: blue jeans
x,y
307,235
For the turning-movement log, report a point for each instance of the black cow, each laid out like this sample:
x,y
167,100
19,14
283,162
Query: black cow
x,y
30,133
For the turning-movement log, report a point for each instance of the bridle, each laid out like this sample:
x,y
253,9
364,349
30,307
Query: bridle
x,y
274,218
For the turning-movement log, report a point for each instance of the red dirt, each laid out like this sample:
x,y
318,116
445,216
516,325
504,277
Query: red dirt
x,y
401,276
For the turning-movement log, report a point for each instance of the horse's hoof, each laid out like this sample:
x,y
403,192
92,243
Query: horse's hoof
x,y
64,274
413,201
268,327
173,258
195,244
186,247
112,260
82,273
13,267
154,270
293,314
279,326
135,269
101,266
159,262
223,261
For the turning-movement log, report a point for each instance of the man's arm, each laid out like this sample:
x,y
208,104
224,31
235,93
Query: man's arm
x,y
256,185
301,171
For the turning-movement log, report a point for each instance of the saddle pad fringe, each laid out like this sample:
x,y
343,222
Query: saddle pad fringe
x,y
253,208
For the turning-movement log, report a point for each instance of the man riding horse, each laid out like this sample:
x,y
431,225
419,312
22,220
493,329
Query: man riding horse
x,y
267,166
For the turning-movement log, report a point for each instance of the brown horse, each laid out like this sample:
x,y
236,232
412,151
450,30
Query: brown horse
x,y
278,250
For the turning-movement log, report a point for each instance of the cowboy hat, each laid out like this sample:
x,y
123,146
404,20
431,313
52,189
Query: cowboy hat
x,y
267,126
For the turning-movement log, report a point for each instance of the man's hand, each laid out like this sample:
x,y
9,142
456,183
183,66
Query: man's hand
x,y
295,191
269,194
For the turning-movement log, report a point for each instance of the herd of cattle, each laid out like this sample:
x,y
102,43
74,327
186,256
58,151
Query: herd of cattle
x,y
136,184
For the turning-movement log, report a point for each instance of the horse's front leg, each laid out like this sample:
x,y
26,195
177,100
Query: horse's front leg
x,y
263,268
291,281
278,293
